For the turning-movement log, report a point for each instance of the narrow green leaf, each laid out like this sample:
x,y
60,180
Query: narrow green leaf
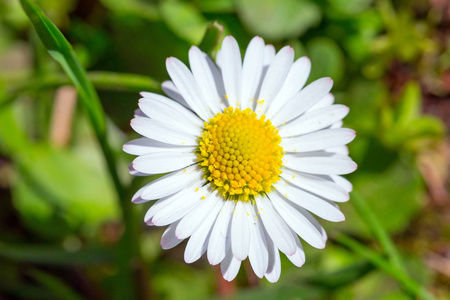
x,y
212,38
12,137
101,80
408,284
378,231
52,255
342,277
55,285
62,52
60,49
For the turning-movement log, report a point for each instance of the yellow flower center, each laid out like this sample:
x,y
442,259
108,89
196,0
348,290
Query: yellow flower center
x,y
240,154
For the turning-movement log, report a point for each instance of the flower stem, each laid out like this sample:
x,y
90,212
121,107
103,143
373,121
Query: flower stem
x,y
408,284
378,231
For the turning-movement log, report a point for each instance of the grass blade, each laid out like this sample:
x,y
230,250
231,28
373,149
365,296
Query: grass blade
x,y
408,284
60,49
378,231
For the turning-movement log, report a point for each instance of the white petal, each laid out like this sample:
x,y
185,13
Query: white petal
x,y
186,85
201,66
192,220
274,267
298,259
139,113
145,145
137,196
251,71
134,172
219,59
303,100
257,254
168,239
220,239
269,54
295,80
240,230
337,124
314,120
163,162
297,221
172,183
317,185
339,149
318,140
162,132
172,208
169,109
275,77
230,267
311,219
333,165
198,242
171,90
314,204
343,182
179,207
327,100
231,69
275,226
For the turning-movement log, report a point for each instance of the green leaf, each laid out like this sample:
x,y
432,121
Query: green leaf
x,y
426,127
12,137
212,38
327,59
52,255
184,19
410,104
278,20
62,52
216,6
175,280
54,284
133,7
365,252
395,193
424,132
71,183
342,277
101,80
345,7
280,292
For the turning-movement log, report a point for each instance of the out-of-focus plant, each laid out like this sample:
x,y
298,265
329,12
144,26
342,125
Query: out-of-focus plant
x,y
386,59
404,127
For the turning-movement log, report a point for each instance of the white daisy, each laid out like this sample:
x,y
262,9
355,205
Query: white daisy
x,y
249,154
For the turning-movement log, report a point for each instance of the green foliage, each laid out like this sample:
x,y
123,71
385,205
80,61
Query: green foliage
x,y
327,59
405,127
395,193
277,20
211,39
184,20
64,215
62,52
37,196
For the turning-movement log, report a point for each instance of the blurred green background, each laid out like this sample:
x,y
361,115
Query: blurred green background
x,y
64,232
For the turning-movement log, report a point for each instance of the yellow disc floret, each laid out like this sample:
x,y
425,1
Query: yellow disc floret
x,y
240,154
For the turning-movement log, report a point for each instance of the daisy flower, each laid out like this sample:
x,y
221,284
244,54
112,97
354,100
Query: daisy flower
x,y
249,154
